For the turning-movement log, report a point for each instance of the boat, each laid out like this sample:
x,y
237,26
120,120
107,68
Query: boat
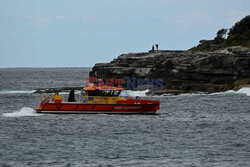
x,y
98,100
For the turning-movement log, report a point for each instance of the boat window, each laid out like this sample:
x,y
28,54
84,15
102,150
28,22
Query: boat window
x,y
116,93
107,92
94,92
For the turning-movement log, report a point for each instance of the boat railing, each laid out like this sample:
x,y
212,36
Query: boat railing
x,y
112,99
83,99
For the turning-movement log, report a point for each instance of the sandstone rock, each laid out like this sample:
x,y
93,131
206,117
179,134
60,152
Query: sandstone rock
x,y
235,50
183,70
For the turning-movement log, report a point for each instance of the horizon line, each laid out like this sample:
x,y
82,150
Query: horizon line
x,y
48,67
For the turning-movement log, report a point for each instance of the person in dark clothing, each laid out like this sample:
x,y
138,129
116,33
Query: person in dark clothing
x,y
153,48
156,45
71,96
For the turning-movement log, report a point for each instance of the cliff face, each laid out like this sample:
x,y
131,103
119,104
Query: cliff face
x,y
183,71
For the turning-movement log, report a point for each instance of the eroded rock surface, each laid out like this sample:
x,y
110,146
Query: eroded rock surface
x,y
183,70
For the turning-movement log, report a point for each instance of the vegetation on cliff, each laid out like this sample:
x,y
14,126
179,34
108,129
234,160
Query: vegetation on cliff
x,y
238,35
222,65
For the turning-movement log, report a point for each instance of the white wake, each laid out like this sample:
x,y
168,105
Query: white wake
x,y
24,112
16,91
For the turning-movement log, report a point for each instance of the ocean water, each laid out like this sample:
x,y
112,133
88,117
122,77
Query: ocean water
x,y
189,130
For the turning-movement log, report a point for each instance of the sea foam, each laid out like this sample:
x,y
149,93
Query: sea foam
x,y
134,93
16,91
24,112
244,90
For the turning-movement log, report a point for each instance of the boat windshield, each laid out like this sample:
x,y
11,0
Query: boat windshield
x,y
98,92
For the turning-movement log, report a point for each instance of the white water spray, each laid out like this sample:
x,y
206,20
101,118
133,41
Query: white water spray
x,y
24,112
245,90
16,91
134,93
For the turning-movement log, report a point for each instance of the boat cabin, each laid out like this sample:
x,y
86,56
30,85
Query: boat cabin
x,y
103,94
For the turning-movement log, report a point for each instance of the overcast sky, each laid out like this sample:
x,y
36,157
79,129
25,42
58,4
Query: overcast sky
x,y
80,33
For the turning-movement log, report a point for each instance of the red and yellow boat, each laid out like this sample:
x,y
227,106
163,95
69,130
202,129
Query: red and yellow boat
x,y
98,100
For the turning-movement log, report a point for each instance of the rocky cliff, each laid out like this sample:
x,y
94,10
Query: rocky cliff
x,y
183,71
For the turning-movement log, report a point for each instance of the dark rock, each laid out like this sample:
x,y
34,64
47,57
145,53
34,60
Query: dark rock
x,y
238,50
184,71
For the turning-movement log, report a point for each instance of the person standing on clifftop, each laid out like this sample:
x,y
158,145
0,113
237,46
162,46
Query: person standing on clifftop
x,y
153,48
156,45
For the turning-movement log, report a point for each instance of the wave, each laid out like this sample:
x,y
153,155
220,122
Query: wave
x,y
17,91
134,93
245,90
24,112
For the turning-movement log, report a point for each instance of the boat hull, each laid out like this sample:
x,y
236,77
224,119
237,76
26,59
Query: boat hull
x,y
80,108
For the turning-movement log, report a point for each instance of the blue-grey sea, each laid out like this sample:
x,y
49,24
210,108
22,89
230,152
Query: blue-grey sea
x,y
189,130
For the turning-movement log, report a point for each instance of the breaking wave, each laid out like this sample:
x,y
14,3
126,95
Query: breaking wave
x,y
17,91
24,112
134,93
245,91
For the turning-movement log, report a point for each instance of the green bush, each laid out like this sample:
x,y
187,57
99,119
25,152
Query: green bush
x,y
239,35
